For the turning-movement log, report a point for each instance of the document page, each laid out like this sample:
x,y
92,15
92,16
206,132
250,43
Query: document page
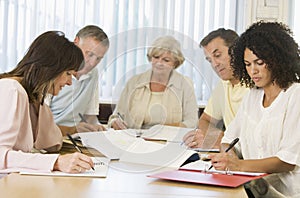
x,y
163,155
110,143
100,165
166,133
126,147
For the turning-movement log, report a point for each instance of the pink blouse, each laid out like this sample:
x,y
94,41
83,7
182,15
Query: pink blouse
x,y
17,137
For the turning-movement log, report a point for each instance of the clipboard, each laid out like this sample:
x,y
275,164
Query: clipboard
x,y
206,178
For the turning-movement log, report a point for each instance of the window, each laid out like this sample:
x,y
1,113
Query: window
x,y
131,26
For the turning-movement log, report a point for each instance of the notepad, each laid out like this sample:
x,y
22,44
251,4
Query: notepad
x,y
101,165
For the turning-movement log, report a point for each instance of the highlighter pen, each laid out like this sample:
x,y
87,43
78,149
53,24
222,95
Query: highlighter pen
x,y
231,145
75,145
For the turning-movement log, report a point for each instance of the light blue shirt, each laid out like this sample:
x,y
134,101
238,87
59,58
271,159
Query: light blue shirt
x,y
81,97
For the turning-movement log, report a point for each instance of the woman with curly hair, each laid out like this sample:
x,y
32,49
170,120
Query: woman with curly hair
x,y
266,58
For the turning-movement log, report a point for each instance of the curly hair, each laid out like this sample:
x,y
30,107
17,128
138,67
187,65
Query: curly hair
x,y
272,42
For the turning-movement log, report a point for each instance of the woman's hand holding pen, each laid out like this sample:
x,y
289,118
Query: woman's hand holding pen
x,y
225,161
118,124
73,163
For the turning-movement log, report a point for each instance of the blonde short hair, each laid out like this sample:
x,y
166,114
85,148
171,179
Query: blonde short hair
x,y
166,44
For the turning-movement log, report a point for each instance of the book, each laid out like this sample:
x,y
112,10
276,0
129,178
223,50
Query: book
x,y
100,165
125,147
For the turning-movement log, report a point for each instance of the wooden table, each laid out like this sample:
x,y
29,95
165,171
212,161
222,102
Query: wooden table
x,y
123,180
117,184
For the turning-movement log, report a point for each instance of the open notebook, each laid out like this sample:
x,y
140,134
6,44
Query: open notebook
x,y
126,147
100,165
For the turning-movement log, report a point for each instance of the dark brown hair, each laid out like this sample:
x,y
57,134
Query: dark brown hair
x,y
272,42
49,55
229,36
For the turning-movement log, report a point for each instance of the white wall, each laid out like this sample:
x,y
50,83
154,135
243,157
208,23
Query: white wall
x,y
268,10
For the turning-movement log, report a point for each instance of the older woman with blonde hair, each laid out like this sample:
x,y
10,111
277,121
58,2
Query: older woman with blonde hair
x,y
160,95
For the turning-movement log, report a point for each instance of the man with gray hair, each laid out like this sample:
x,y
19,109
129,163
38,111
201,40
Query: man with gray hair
x,y
76,107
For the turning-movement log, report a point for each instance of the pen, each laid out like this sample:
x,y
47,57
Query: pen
x,y
120,116
82,118
122,119
75,145
231,145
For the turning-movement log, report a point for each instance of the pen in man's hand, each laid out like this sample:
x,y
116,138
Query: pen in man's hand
x,y
75,145
82,118
231,145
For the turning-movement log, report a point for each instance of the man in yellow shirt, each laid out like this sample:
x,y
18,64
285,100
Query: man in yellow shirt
x,y
226,97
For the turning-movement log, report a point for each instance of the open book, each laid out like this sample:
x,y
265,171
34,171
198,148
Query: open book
x,y
100,166
126,147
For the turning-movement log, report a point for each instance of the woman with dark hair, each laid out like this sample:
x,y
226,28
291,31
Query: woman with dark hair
x,y
26,122
267,59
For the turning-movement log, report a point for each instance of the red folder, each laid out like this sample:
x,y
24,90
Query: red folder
x,y
206,178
